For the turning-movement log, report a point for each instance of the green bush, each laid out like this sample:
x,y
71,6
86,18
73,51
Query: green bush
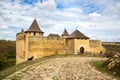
x,y
6,63
2,65
10,54
7,60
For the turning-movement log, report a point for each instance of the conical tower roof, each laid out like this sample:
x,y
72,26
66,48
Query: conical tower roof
x,y
65,33
34,27
78,34
22,31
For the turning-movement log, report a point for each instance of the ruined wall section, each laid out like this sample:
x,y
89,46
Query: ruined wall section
x,y
96,47
20,48
43,46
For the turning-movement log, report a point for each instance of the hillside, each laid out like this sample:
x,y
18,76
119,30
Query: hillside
x,y
7,54
6,46
111,50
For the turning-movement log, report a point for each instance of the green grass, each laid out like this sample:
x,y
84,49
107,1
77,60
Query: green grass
x,y
7,54
99,65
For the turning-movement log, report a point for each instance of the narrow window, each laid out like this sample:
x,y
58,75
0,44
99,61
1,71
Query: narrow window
x,y
34,33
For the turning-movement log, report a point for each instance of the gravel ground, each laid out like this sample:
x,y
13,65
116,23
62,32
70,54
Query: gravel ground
x,y
64,68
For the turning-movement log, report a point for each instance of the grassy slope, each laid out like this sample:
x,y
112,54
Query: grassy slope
x,y
7,54
99,65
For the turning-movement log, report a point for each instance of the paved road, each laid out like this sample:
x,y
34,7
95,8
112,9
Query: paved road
x,y
65,68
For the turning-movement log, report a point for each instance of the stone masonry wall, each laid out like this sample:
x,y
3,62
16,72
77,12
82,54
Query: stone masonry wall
x,y
29,45
20,48
95,47
69,46
41,46
81,43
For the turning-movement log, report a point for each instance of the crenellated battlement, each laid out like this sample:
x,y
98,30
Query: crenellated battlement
x,y
97,42
32,38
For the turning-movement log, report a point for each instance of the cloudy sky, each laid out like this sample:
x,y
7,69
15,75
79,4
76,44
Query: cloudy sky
x,y
98,19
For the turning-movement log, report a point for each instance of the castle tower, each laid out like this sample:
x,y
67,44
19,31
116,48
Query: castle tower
x,y
34,29
20,47
65,33
32,34
80,42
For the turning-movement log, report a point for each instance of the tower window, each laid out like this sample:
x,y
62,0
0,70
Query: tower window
x,y
34,33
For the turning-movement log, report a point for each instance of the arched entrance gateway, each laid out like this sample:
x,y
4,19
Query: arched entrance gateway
x,y
82,50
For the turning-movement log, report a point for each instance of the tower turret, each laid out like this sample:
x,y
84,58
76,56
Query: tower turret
x,y
65,33
34,29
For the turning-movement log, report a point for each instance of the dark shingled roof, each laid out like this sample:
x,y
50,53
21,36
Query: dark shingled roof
x,y
53,35
22,31
78,34
34,27
65,33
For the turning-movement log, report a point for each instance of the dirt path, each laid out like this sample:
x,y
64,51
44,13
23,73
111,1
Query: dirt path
x,y
65,68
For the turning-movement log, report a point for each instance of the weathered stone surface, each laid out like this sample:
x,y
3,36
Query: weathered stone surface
x,y
112,62
65,68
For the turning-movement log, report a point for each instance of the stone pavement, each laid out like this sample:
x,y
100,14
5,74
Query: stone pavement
x,y
64,68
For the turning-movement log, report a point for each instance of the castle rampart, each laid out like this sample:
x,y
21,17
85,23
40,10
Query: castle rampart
x,y
32,44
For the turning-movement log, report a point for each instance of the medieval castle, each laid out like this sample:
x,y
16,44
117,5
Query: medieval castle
x,y
33,44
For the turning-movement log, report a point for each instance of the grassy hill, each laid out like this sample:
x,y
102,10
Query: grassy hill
x,y
112,49
7,54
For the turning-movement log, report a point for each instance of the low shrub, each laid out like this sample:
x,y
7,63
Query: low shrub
x,y
10,54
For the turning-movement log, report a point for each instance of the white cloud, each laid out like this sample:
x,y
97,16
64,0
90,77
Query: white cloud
x,y
53,20
113,8
94,15
46,5
4,27
6,33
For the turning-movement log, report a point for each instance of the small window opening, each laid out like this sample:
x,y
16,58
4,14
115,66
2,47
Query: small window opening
x,y
34,33
101,52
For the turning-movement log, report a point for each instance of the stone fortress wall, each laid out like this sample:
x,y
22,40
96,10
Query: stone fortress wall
x,y
42,46
96,47
32,43
20,48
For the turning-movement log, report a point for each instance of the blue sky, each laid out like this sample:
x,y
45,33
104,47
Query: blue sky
x,y
98,19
